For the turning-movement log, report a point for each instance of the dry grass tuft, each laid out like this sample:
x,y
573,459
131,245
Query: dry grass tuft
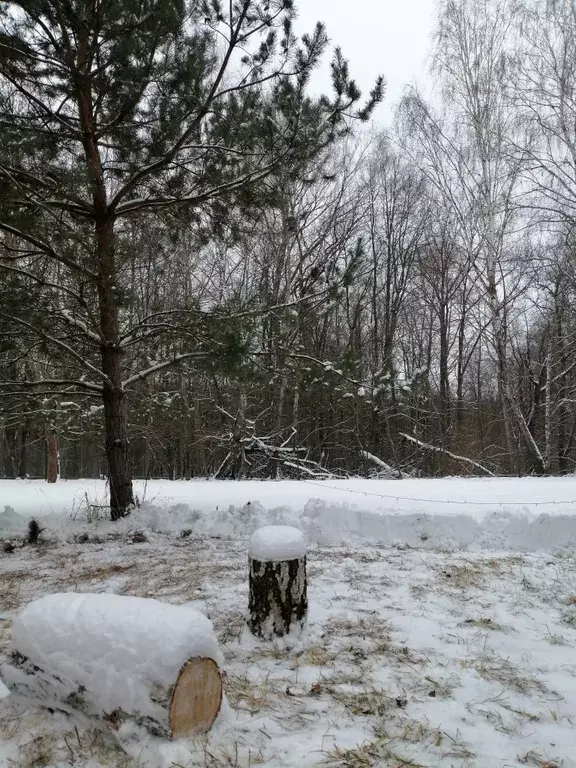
x,y
484,622
467,576
247,694
370,627
366,703
232,756
229,627
500,670
102,572
419,591
535,758
316,656
10,594
442,688
373,753
401,654
39,752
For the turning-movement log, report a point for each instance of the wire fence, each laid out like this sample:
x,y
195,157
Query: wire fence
x,y
443,501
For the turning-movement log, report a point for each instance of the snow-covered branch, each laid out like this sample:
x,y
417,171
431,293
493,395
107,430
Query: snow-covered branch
x,y
456,457
60,344
80,324
193,198
45,249
397,473
160,367
87,385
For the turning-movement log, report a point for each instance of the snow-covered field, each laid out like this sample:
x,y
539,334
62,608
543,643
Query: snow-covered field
x,y
525,514
439,634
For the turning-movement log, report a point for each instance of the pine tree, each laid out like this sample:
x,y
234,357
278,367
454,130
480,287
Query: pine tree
x,y
114,110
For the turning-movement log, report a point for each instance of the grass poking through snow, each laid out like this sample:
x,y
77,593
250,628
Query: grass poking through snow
x,y
411,658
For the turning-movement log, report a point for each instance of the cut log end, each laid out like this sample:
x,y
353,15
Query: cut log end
x,y
196,699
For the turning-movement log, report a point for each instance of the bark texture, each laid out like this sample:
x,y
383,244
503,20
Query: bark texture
x,y
114,396
278,597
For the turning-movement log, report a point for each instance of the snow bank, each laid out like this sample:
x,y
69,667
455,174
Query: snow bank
x,y
497,513
273,543
117,647
328,523
11,523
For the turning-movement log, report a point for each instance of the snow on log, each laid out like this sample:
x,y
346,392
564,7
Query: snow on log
x,y
278,600
397,473
118,659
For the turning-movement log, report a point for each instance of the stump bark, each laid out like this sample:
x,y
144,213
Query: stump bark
x,y
278,597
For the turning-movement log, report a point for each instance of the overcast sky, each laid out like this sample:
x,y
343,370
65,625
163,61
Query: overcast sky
x,y
389,37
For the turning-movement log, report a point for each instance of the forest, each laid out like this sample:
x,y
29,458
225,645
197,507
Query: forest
x,y
207,269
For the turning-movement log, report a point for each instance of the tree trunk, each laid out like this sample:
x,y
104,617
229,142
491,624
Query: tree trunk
x,y
444,316
460,364
114,396
117,451
23,457
278,597
9,445
52,463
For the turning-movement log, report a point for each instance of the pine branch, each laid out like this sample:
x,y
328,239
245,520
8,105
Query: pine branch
x,y
46,249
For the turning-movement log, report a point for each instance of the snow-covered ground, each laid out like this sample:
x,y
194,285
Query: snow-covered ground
x,y
440,634
525,514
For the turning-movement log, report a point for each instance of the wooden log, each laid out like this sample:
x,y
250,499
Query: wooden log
x,y
188,707
137,664
278,602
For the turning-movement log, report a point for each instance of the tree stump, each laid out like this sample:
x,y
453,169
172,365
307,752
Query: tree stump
x,y
278,587
118,659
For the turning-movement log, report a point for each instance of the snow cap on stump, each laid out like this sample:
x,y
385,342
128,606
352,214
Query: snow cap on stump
x,y
277,543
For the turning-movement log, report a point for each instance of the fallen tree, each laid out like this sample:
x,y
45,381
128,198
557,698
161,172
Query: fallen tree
x,y
454,456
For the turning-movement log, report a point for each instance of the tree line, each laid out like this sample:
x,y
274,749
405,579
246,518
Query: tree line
x,y
207,270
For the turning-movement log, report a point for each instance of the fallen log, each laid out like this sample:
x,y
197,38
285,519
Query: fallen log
x,y
277,574
116,659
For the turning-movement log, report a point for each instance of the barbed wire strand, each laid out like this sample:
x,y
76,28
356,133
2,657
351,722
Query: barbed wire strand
x,y
443,501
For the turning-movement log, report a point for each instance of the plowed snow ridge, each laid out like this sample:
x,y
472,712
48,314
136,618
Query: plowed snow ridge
x,y
528,514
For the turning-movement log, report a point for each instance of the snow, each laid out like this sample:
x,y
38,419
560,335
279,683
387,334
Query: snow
x,y
273,543
11,522
441,628
524,514
115,646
